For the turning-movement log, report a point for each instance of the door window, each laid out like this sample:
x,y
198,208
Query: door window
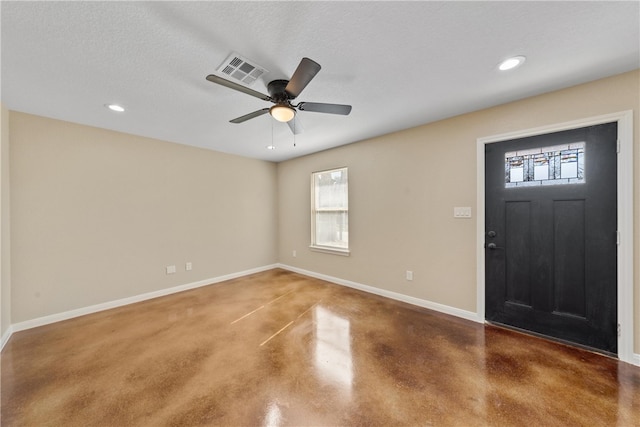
x,y
560,164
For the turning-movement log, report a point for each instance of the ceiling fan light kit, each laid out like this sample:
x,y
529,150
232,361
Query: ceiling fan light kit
x,y
282,113
282,92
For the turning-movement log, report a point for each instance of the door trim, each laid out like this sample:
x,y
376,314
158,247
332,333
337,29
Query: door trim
x,y
625,216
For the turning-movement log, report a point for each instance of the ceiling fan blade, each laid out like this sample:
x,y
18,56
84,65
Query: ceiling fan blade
x,y
232,85
306,71
319,107
295,126
250,116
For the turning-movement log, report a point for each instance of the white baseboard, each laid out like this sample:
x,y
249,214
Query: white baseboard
x,y
6,336
404,298
468,315
45,320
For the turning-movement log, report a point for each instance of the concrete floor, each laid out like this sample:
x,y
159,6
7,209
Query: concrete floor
x,y
277,348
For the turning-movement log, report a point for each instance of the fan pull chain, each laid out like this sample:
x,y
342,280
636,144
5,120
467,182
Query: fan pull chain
x,y
294,132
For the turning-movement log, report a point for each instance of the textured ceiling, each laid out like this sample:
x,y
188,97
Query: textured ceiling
x,y
400,64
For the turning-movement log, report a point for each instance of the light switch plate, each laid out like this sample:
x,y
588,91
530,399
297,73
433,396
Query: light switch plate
x,y
462,212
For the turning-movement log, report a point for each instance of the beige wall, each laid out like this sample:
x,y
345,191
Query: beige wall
x,y
5,247
96,215
403,188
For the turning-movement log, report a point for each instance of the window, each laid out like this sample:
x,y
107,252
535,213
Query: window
x,y
330,211
563,164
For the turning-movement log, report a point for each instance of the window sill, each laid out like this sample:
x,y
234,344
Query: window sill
x,y
327,250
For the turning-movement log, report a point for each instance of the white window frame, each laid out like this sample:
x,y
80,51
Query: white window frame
x,y
325,248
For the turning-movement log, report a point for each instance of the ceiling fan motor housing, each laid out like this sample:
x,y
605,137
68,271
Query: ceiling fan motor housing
x,y
277,91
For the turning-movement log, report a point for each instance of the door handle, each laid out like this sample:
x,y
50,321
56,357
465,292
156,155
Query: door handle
x,y
492,246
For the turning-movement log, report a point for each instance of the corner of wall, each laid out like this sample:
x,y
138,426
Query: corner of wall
x,y
4,339
5,241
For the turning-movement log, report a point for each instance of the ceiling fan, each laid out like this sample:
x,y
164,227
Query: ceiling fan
x,y
282,92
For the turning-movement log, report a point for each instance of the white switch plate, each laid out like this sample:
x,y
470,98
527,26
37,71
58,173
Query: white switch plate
x,y
409,275
188,266
171,269
462,212
294,253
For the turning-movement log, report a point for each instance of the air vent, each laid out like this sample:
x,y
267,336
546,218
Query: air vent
x,y
241,69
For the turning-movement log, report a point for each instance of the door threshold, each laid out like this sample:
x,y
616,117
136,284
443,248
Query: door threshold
x,y
553,339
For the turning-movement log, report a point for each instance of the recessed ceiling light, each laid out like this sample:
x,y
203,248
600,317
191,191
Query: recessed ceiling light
x,y
511,63
271,147
115,107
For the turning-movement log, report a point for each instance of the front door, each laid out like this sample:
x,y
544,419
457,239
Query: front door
x,y
551,232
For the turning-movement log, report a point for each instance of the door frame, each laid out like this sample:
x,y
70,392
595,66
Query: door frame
x,y
625,216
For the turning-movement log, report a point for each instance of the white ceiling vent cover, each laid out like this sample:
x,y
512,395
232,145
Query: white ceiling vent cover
x,y
241,69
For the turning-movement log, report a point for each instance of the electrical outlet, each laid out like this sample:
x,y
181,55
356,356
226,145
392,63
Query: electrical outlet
x,y
409,275
188,266
171,269
295,253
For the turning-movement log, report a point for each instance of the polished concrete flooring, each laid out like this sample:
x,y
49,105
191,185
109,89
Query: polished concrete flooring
x,y
277,348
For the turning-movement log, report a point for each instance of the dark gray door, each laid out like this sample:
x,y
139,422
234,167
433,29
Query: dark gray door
x,y
550,238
